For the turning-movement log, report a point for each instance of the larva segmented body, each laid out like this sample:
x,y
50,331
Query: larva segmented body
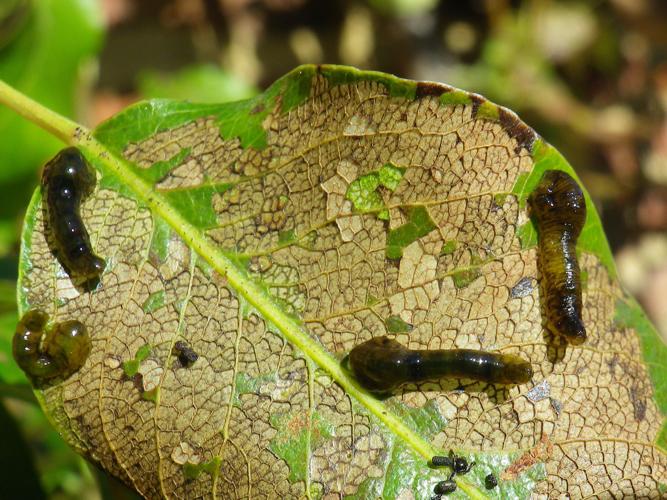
x,y
558,205
382,364
66,181
46,356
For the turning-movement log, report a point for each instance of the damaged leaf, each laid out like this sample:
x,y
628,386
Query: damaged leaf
x,y
275,234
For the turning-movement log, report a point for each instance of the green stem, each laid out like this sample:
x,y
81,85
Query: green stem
x,y
75,134
54,123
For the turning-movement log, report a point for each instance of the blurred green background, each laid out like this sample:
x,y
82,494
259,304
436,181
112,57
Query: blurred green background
x,y
589,76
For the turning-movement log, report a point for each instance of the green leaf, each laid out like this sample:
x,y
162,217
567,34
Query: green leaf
x,y
244,230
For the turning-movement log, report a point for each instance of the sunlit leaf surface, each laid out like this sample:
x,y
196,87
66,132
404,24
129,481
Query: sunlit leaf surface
x,y
273,235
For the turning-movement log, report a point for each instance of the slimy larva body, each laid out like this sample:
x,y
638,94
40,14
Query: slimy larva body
x,y
558,205
66,181
382,364
45,356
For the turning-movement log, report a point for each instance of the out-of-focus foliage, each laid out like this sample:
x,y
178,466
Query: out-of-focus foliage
x,y
197,84
44,48
403,7
17,465
43,59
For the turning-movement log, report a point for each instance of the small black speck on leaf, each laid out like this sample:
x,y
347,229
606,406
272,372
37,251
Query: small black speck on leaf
x,y
186,356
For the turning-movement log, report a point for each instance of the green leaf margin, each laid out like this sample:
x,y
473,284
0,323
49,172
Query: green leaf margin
x,y
244,120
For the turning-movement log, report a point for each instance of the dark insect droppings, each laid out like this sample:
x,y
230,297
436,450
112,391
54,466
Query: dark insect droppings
x,y
558,205
50,355
441,461
66,181
490,482
458,464
445,487
461,466
381,365
186,356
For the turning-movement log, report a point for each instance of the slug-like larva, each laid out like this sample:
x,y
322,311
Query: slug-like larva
x,y
560,209
382,364
45,356
66,181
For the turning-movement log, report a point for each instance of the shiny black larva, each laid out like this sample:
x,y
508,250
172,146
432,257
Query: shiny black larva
x,y
66,181
49,355
558,205
381,365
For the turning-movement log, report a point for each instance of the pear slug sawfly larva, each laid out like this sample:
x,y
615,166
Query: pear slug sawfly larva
x,y
66,181
382,364
55,354
558,205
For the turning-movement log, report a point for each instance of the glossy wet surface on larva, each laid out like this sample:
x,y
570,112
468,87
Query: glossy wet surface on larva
x,y
66,181
48,355
253,395
559,207
382,365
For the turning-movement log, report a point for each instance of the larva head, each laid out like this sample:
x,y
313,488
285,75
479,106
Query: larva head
x,y
516,370
33,320
378,364
28,335
88,265
73,169
559,198
569,326
65,348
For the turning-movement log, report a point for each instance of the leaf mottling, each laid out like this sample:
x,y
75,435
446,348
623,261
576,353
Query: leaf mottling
x,y
463,278
441,261
131,367
419,223
453,97
396,325
487,111
153,302
296,435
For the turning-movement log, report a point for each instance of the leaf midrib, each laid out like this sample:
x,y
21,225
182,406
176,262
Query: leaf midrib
x,y
77,135
252,292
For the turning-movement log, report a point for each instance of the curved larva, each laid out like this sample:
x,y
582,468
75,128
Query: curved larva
x,y
67,180
382,364
46,356
558,205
